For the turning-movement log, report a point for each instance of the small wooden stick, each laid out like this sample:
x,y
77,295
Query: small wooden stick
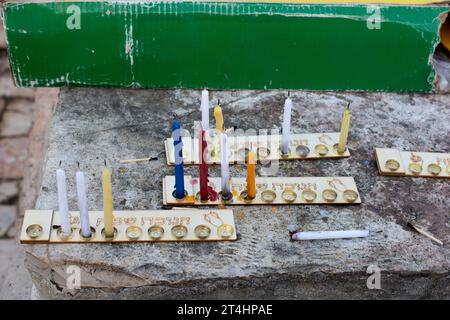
x,y
426,234
138,160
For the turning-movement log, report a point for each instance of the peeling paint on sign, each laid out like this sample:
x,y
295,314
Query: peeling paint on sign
x,y
227,45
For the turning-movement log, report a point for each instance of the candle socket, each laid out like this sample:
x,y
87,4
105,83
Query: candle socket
x,y
199,197
284,154
109,237
340,150
34,231
91,235
226,197
244,196
174,194
64,236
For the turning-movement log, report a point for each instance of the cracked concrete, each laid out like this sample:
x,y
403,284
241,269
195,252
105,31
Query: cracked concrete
x,y
95,124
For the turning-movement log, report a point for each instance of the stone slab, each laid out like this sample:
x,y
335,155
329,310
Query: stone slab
x,y
91,125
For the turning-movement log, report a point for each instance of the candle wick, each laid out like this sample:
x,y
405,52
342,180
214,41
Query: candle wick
x,y
348,105
105,163
78,164
60,163
218,102
289,94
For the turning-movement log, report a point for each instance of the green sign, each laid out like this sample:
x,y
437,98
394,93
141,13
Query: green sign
x,y
223,45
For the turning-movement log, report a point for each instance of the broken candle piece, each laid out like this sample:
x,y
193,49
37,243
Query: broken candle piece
x,y
321,235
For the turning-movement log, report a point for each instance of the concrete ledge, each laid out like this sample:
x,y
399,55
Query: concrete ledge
x,y
93,124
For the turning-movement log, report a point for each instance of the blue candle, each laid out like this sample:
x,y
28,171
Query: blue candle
x,y
178,151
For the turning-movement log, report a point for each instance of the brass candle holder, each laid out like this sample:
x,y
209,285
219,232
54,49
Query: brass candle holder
x,y
394,162
270,191
42,226
266,148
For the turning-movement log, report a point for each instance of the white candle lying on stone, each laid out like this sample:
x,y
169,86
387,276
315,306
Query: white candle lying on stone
x,y
82,205
320,235
64,218
204,107
286,126
224,164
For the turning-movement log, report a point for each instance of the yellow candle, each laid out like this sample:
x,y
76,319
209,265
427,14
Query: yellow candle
x,y
108,203
251,181
345,126
218,117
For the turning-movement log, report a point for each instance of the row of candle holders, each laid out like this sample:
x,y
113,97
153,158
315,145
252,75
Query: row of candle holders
x,y
300,151
289,196
134,233
296,150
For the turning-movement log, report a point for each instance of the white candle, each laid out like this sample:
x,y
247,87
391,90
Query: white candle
x,y
204,107
286,126
62,202
320,235
224,164
82,205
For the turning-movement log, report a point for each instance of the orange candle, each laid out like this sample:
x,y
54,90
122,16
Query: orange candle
x,y
251,180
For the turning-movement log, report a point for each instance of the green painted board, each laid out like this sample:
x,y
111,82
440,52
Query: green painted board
x,y
223,45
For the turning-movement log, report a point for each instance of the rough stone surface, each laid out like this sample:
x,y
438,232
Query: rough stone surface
x,y
7,218
95,124
13,154
15,281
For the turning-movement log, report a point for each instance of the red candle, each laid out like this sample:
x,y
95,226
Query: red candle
x,y
203,166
